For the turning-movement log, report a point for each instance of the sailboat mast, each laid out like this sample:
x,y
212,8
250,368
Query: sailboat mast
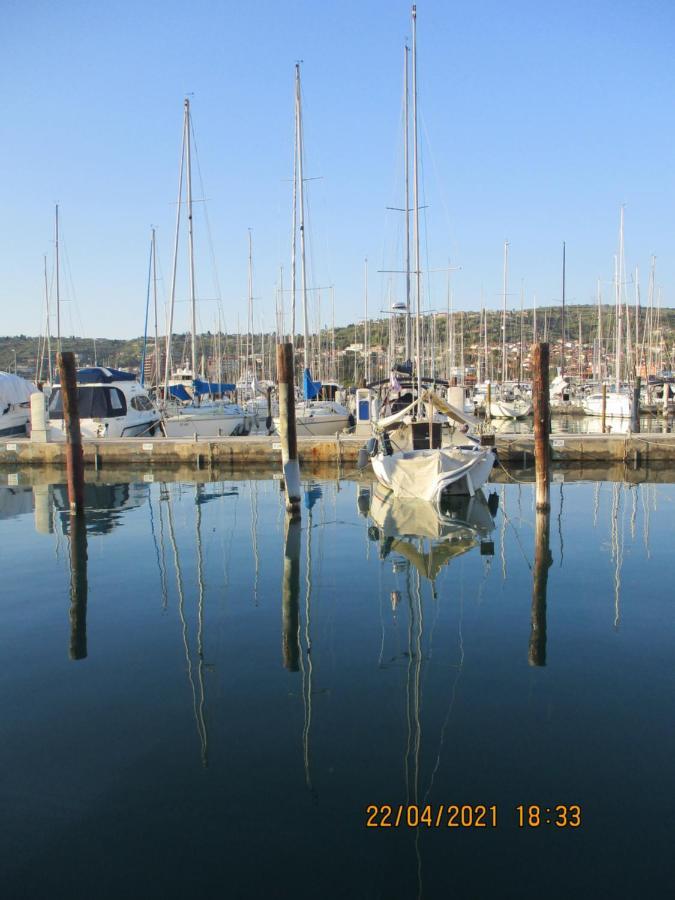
x,y
562,319
249,318
406,164
58,288
366,356
301,199
172,299
48,335
154,299
504,286
619,303
191,260
416,211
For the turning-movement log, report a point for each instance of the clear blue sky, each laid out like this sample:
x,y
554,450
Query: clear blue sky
x,y
537,121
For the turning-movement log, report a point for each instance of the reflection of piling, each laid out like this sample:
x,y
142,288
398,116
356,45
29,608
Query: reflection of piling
x,y
604,408
290,597
78,587
542,562
44,510
287,424
542,424
71,418
635,407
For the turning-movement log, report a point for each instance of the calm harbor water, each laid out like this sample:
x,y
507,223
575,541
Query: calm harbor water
x,y
200,701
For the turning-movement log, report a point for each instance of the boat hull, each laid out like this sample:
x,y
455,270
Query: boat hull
x,y
431,474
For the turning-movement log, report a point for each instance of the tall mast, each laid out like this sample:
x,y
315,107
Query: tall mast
x,y
301,198
294,225
366,356
191,260
172,299
416,217
407,204
522,322
504,286
250,365
619,302
49,337
154,298
562,319
58,288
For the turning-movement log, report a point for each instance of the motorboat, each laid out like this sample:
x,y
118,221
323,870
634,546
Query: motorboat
x,y
111,404
15,395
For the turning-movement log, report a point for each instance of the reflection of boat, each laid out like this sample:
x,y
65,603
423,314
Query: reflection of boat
x,y
104,504
454,528
15,501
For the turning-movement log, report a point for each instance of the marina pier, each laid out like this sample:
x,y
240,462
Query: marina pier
x,y
256,451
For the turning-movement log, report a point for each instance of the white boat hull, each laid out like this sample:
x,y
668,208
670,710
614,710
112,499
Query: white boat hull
x,y
617,405
428,474
206,422
510,409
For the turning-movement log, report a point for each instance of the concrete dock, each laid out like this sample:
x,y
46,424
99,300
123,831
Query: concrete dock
x,y
248,452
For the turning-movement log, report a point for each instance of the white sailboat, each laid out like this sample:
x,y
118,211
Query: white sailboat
x,y
425,474
194,411
508,401
15,405
313,417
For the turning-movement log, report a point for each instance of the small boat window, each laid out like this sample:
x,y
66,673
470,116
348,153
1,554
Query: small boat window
x,y
141,403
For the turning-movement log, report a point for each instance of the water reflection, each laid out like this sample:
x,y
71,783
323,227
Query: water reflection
x,y
78,587
425,536
403,676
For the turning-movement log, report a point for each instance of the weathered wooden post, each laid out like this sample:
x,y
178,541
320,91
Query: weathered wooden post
x,y
287,434
488,401
542,425
542,563
635,407
268,420
604,408
78,586
290,597
71,418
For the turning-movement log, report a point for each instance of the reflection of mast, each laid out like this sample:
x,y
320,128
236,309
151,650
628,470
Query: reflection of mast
x,y
78,587
542,563
413,690
254,537
200,627
161,562
617,551
307,670
181,613
502,534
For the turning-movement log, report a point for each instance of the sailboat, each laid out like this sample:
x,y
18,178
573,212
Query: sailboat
x,y
314,417
425,473
617,403
508,402
194,411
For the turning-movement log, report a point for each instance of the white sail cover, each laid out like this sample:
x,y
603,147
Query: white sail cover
x,y
423,474
15,390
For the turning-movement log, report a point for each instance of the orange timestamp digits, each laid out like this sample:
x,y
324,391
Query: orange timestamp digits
x,y
412,815
561,816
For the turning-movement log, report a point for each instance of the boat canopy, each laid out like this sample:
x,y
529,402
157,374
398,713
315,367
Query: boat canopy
x,y
311,388
211,387
14,389
178,391
100,375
